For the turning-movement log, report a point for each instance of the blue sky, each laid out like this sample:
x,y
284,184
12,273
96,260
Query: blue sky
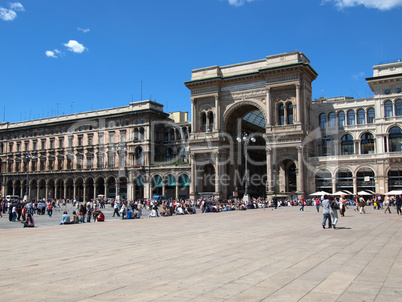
x,y
62,57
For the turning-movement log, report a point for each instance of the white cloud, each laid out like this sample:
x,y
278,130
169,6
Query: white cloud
x,y
84,30
378,4
17,6
239,2
10,14
55,53
7,14
74,46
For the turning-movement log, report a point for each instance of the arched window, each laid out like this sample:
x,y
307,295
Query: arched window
x,y
398,108
172,137
367,143
341,119
204,122
142,134
185,133
182,155
323,120
289,109
169,155
328,146
395,139
281,114
211,121
332,119
347,145
388,109
361,117
351,117
371,116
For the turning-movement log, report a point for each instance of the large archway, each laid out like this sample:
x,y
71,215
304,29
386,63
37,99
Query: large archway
x,y
245,126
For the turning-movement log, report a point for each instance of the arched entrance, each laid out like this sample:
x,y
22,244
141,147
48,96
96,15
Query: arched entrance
x,y
245,126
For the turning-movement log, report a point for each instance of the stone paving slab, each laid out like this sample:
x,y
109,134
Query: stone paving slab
x,y
253,255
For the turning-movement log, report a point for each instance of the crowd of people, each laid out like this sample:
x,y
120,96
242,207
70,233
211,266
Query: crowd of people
x,y
24,211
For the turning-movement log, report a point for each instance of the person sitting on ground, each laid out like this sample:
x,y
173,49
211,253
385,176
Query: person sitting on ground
x,y
65,219
179,210
75,219
153,213
100,216
136,214
29,222
128,215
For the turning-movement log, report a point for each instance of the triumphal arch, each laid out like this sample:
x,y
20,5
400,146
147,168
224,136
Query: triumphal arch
x,y
249,124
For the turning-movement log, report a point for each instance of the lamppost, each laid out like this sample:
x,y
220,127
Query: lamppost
x,y
246,139
27,157
120,149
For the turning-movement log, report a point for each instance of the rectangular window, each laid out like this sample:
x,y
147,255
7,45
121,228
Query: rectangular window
x,y
79,140
61,142
111,137
90,139
70,141
18,147
34,145
43,144
122,136
26,146
51,144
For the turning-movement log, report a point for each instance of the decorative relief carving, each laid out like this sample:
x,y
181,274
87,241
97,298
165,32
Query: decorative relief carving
x,y
204,90
249,94
283,79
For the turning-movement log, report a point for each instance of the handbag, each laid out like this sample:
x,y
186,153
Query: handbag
x,y
335,206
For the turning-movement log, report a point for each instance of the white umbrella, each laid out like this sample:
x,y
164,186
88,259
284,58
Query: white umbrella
x,y
319,193
394,192
339,193
361,193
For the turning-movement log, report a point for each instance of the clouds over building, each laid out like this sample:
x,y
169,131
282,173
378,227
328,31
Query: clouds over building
x,y
378,4
9,14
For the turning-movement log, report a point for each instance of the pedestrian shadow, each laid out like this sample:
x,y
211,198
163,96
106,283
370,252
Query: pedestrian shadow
x,y
343,228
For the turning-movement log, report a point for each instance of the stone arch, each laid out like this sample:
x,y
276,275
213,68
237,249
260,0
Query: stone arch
x,y
251,104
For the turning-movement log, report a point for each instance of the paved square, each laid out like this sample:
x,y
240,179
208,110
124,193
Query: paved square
x,y
253,255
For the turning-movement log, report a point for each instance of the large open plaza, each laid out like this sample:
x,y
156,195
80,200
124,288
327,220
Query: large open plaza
x,y
253,255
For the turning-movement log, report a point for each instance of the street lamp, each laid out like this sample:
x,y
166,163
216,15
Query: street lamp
x,y
119,150
27,157
246,139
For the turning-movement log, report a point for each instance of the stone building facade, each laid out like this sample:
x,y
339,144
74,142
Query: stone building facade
x,y
135,151
255,130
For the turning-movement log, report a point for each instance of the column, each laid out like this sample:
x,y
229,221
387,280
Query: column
x,y
84,192
217,121
269,171
356,146
217,175
46,191
268,107
333,184
65,189
298,104
193,120
354,185
177,190
300,174
74,191
193,177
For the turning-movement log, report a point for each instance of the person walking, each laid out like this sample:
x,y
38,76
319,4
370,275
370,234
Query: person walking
x,y
326,212
334,205
49,205
317,204
342,205
398,204
386,204
362,203
116,209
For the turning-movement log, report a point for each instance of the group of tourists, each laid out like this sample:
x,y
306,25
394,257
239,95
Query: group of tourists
x,y
24,211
